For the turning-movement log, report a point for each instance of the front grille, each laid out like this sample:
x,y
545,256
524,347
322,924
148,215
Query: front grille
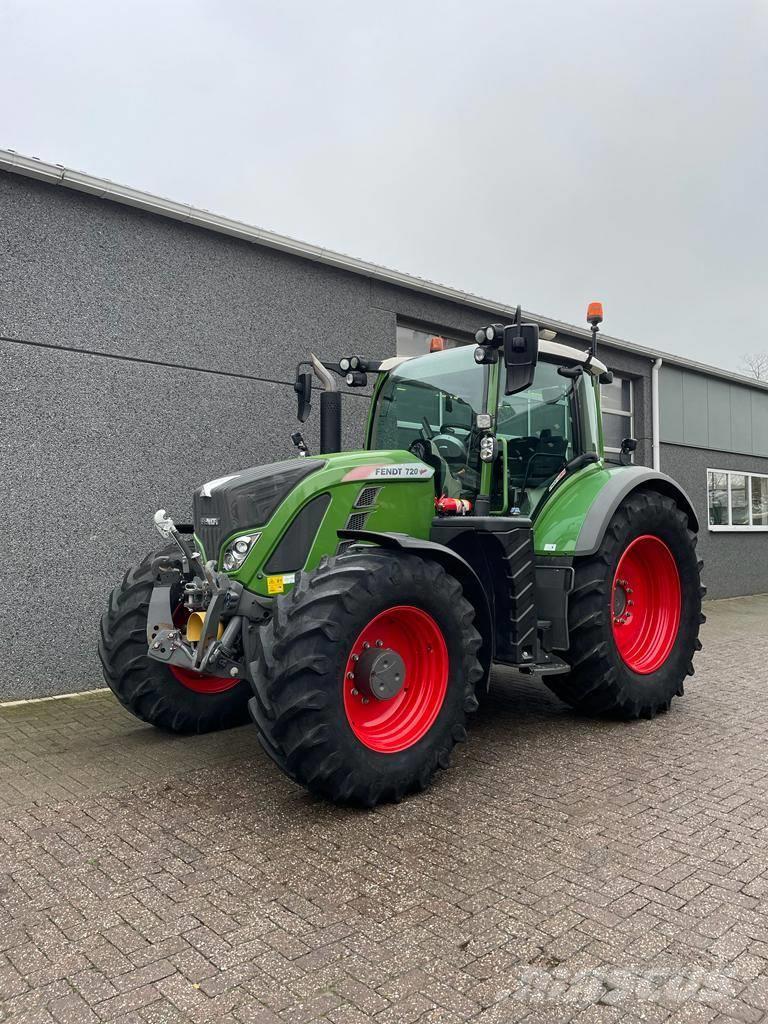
x,y
245,499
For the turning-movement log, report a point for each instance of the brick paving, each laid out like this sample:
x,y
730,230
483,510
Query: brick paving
x,y
564,869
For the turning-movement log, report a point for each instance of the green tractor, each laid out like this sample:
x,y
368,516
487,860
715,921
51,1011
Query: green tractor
x,y
354,603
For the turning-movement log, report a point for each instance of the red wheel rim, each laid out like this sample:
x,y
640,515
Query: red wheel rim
x,y
194,680
645,604
202,683
389,726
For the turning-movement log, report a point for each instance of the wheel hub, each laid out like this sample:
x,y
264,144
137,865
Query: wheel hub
x,y
380,672
622,602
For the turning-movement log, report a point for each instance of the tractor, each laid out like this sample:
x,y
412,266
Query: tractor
x,y
353,604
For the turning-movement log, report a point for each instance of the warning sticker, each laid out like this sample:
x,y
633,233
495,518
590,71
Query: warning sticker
x,y
275,585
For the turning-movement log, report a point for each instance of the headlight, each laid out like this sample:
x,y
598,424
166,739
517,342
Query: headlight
x,y
237,550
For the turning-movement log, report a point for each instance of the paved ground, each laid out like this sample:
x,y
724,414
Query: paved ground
x,y
563,869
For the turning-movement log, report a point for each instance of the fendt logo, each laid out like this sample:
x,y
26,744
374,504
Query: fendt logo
x,y
397,471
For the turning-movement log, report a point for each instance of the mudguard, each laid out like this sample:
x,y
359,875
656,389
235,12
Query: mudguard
x,y
620,486
452,563
574,517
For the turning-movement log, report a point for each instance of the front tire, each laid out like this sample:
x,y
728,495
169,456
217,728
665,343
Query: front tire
x,y
357,734
180,702
634,613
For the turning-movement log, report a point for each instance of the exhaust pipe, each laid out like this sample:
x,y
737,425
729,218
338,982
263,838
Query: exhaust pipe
x,y
330,409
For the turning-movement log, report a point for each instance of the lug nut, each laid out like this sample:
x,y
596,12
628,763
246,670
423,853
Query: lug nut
x,y
354,692
366,645
365,700
350,675
379,643
355,657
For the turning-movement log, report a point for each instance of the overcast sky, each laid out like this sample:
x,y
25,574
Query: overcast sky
x,y
547,153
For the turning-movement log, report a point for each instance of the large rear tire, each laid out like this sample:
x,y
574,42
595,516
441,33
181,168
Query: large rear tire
x,y
176,702
634,613
365,675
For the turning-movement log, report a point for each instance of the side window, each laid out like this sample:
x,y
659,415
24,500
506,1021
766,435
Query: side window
x,y
737,501
418,341
616,403
538,427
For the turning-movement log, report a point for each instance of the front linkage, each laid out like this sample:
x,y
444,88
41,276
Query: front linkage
x,y
195,622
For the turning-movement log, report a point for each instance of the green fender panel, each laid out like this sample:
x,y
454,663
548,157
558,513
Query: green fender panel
x,y
575,517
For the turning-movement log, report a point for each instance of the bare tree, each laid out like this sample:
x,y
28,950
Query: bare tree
x,y
755,364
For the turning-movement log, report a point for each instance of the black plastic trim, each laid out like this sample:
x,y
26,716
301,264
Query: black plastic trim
x,y
620,486
293,547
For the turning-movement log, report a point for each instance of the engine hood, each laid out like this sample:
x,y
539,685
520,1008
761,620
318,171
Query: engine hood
x,y
245,499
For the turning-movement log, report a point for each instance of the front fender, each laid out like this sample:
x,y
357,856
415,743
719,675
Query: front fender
x,y
574,519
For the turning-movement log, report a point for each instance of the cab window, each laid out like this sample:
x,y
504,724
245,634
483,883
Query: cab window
x,y
538,426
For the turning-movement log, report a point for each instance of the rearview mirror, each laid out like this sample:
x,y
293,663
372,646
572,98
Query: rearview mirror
x,y
303,389
521,353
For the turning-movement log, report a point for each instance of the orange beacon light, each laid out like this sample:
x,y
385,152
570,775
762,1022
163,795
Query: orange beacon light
x,y
595,313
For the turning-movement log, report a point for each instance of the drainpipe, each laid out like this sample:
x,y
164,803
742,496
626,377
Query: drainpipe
x,y
655,434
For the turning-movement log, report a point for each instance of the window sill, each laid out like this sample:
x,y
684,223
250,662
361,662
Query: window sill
x,y
737,529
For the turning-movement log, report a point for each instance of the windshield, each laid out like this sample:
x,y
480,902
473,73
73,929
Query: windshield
x,y
429,405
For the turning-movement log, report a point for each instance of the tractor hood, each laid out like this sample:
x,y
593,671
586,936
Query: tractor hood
x,y
245,499
290,512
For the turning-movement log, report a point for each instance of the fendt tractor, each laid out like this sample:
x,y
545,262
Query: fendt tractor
x,y
354,603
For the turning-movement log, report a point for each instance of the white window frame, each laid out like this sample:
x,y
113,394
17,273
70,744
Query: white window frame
x,y
729,528
630,415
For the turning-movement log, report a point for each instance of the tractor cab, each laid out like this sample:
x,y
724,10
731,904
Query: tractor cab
x,y
440,407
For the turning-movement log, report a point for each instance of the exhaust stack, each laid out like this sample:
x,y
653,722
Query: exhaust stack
x,y
330,409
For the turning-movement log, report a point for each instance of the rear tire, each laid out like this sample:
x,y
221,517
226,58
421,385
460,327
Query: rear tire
x,y
311,717
147,688
624,666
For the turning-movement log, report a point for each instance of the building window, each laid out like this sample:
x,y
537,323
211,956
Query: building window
x,y
616,403
737,501
415,341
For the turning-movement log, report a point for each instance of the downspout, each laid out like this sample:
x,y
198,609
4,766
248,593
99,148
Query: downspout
x,y
655,433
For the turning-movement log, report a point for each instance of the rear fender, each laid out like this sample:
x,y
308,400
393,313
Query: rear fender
x,y
576,515
453,564
618,488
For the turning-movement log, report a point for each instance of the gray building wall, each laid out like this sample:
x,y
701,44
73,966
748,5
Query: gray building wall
x,y
704,412
140,357
707,423
734,563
